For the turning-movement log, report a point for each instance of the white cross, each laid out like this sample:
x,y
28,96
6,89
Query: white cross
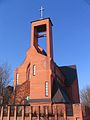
x,y
41,12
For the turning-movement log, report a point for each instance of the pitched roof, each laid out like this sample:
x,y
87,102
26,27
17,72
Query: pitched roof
x,y
59,93
70,74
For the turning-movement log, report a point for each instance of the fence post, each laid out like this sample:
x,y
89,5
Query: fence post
x,y
38,113
46,110
2,113
15,112
55,110
8,118
65,113
30,113
22,112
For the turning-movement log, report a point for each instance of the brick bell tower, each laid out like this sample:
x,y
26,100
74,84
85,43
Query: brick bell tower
x,y
40,83
42,28
43,83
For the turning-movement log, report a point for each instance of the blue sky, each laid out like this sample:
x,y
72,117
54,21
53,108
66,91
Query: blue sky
x,y
71,32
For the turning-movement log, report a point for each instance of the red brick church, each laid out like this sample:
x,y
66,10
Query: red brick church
x,y
40,82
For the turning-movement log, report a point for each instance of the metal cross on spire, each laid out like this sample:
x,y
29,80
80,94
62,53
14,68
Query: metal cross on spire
x,y
41,12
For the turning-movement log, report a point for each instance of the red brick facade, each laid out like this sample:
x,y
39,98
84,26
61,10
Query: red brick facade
x,y
42,80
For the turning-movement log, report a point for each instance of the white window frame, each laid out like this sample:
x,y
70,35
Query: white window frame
x,y
46,88
17,80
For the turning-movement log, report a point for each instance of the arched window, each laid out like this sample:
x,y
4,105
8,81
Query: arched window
x,y
28,72
17,80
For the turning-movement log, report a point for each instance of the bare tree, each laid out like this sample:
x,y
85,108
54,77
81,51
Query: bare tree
x,y
85,96
5,74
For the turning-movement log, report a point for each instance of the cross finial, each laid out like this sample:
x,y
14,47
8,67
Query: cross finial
x,y
41,12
